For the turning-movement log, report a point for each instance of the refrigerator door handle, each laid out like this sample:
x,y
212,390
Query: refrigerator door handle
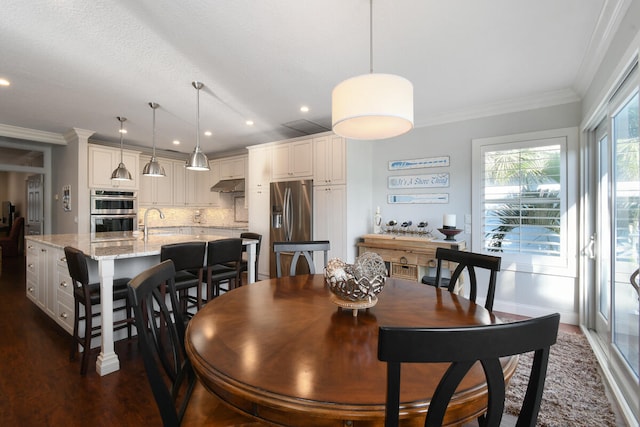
x,y
288,226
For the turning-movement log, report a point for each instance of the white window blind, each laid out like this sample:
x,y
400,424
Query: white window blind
x,y
524,200
522,205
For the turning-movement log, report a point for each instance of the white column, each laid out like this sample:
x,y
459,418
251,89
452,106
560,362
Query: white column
x,y
107,360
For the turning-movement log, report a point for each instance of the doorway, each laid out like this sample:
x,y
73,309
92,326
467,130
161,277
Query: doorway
x,y
615,308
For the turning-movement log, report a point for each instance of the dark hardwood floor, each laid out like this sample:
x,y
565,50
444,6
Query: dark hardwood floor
x,y
39,386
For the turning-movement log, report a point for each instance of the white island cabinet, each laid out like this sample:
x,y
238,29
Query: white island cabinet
x,y
117,254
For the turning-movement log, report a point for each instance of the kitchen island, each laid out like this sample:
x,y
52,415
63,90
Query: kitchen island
x,y
115,254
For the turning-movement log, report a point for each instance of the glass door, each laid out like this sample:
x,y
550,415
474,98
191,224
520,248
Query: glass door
x,y
625,233
616,305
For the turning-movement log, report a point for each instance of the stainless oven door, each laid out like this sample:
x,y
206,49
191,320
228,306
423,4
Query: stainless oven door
x,y
105,205
105,223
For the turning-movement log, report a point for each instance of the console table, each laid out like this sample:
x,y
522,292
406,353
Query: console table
x,y
409,257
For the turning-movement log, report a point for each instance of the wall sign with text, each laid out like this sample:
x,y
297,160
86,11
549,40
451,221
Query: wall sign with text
x,y
433,180
427,162
418,198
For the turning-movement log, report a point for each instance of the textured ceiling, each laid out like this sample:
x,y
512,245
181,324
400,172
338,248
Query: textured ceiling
x,y
79,64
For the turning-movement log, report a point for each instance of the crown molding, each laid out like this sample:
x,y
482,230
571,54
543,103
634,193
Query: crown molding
x,y
32,135
609,21
543,100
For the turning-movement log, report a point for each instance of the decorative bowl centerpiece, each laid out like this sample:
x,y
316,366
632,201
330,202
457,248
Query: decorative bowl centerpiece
x,y
355,286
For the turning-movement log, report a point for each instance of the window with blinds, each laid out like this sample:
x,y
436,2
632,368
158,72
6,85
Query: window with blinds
x,y
522,200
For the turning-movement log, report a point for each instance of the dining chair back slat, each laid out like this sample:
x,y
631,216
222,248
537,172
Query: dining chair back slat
x,y
305,249
462,347
469,261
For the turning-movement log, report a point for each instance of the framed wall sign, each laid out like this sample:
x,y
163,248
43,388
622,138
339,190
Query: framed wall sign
x,y
427,162
418,198
419,181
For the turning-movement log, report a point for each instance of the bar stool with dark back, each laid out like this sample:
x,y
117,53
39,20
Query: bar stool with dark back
x,y
88,295
224,259
188,260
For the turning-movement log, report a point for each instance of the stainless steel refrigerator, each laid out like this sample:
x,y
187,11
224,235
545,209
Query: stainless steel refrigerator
x,y
291,218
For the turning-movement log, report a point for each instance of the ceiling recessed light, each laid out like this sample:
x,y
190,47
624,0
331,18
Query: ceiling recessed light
x,y
176,142
122,131
304,109
4,82
249,122
207,133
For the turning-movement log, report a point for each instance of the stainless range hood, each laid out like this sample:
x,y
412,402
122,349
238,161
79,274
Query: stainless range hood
x,y
229,186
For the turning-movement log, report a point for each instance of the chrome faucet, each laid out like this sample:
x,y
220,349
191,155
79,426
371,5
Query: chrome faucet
x,y
146,234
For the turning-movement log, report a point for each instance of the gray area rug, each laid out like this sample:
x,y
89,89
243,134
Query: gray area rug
x,y
574,394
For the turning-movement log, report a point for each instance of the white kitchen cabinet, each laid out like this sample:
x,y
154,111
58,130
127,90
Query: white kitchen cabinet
x,y
48,283
292,160
330,219
259,222
36,273
232,167
193,188
259,167
104,160
63,288
329,157
156,191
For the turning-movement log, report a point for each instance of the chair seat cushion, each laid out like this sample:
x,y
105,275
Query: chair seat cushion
x,y
431,280
120,291
185,279
222,272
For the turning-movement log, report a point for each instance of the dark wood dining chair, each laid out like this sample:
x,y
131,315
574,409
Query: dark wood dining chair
x,y
224,258
12,245
88,295
182,400
243,264
462,347
188,260
469,261
306,249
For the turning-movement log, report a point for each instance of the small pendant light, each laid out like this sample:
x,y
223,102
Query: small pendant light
x,y
153,168
197,160
121,173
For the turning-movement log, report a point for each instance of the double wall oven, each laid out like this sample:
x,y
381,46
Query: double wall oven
x,y
113,210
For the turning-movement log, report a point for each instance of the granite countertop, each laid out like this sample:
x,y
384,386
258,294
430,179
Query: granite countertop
x,y
119,245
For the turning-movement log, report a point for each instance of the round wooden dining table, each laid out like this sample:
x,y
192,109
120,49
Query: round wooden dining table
x,y
280,351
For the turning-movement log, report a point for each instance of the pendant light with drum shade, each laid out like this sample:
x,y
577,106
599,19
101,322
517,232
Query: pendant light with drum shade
x,y
197,160
372,106
153,168
121,173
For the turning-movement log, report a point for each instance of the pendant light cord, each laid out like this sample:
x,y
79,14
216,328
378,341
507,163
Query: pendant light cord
x,y
154,129
198,118
121,138
371,36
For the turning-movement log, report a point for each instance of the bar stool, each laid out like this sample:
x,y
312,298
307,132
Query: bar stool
x,y
224,258
188,260
88,294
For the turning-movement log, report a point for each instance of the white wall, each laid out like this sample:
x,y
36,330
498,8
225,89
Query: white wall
x,y
527,294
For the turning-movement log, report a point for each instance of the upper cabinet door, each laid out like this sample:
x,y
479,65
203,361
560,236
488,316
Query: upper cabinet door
x,y
259,168
292,160
233,167
329,160
103,161
156,191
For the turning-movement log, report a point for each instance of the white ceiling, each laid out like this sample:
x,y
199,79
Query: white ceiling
x,y
79,64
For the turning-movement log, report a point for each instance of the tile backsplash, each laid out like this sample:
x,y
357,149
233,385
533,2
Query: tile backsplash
x,y
176,217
